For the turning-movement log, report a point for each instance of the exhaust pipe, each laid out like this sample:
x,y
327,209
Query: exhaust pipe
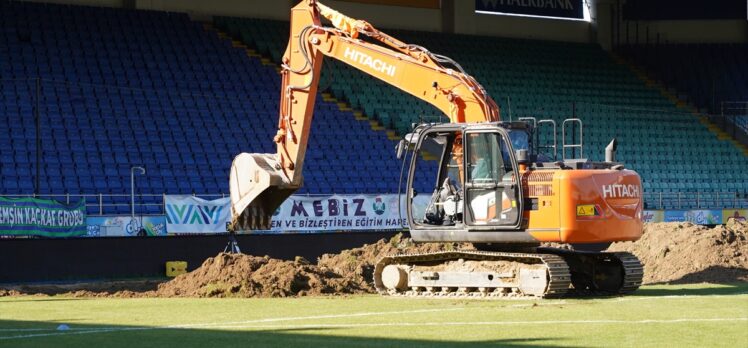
x,y
610,151
258,187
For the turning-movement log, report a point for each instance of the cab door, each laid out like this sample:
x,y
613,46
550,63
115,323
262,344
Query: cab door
x,y
493,196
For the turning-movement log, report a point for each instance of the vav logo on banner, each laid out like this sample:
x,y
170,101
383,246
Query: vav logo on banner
x,y
189,214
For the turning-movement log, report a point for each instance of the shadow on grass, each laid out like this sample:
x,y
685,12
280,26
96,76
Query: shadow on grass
x,y
45,334
700,290
712,273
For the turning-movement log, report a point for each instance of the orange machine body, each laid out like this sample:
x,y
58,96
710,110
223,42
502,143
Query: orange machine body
x,y
584,206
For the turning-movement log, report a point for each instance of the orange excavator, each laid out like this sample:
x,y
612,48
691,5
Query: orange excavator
x,y
492,187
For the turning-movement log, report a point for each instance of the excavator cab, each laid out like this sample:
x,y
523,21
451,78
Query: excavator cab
x,y
473,172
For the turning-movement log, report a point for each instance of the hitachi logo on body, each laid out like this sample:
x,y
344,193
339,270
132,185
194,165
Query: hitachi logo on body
x,y
366,59
620,191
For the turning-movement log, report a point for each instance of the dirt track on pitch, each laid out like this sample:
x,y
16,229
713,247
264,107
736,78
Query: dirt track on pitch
x,y
671,253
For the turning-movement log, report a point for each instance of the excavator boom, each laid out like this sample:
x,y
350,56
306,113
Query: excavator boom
x,y
261,182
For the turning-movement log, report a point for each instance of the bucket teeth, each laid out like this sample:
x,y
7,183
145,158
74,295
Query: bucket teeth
x,y
258,188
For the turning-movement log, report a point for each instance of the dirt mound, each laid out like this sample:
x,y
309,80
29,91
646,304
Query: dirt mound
x,y
671,252
350,272
84,289
4,293
239,275
227,275
358,264
688,253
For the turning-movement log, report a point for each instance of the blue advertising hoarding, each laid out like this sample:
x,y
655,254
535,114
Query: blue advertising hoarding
x,y
125,226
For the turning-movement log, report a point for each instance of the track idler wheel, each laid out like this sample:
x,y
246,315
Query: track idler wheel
x,y
395,278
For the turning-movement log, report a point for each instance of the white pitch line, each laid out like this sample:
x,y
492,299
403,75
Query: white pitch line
x,y
675,297
484,323
21,330
79,331
539,303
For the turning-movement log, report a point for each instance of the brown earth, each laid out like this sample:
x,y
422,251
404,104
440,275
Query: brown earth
x,y
88,289
670,252
349,272
239,275
4,293
686,253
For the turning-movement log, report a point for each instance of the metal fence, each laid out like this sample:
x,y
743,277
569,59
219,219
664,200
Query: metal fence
x,y
695,200
732,117
155,204
118,204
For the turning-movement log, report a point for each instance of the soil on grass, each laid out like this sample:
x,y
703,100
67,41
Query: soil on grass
x,y
670,252
120,288
349,272
681,252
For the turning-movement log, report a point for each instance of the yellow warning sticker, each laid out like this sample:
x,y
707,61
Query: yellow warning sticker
x,y
586,210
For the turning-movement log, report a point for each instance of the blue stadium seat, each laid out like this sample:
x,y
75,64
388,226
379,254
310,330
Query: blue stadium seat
x,y
118,91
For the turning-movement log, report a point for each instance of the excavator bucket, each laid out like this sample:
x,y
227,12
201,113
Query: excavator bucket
x,y
258,187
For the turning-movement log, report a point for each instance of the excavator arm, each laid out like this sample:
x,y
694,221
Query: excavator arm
x,y
259,183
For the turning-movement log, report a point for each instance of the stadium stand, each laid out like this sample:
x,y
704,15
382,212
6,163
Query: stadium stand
x,y
119,88
682,163
707,74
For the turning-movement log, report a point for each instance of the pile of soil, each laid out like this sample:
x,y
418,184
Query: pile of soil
x,y
242,275
122,288
4,293
350,272
682,253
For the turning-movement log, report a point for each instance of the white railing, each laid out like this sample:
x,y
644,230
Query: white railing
x,y
105,204
109,204
695,200
735,112
120,204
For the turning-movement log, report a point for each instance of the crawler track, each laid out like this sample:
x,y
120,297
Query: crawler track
x,y
556,270
550,273
601,273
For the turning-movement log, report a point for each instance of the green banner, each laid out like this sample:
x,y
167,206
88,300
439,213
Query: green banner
x,y
42,217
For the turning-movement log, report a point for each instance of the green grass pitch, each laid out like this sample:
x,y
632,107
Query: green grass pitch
x,y
656,316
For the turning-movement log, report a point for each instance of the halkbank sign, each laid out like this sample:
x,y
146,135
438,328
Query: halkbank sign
x,y
545,8
42,217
